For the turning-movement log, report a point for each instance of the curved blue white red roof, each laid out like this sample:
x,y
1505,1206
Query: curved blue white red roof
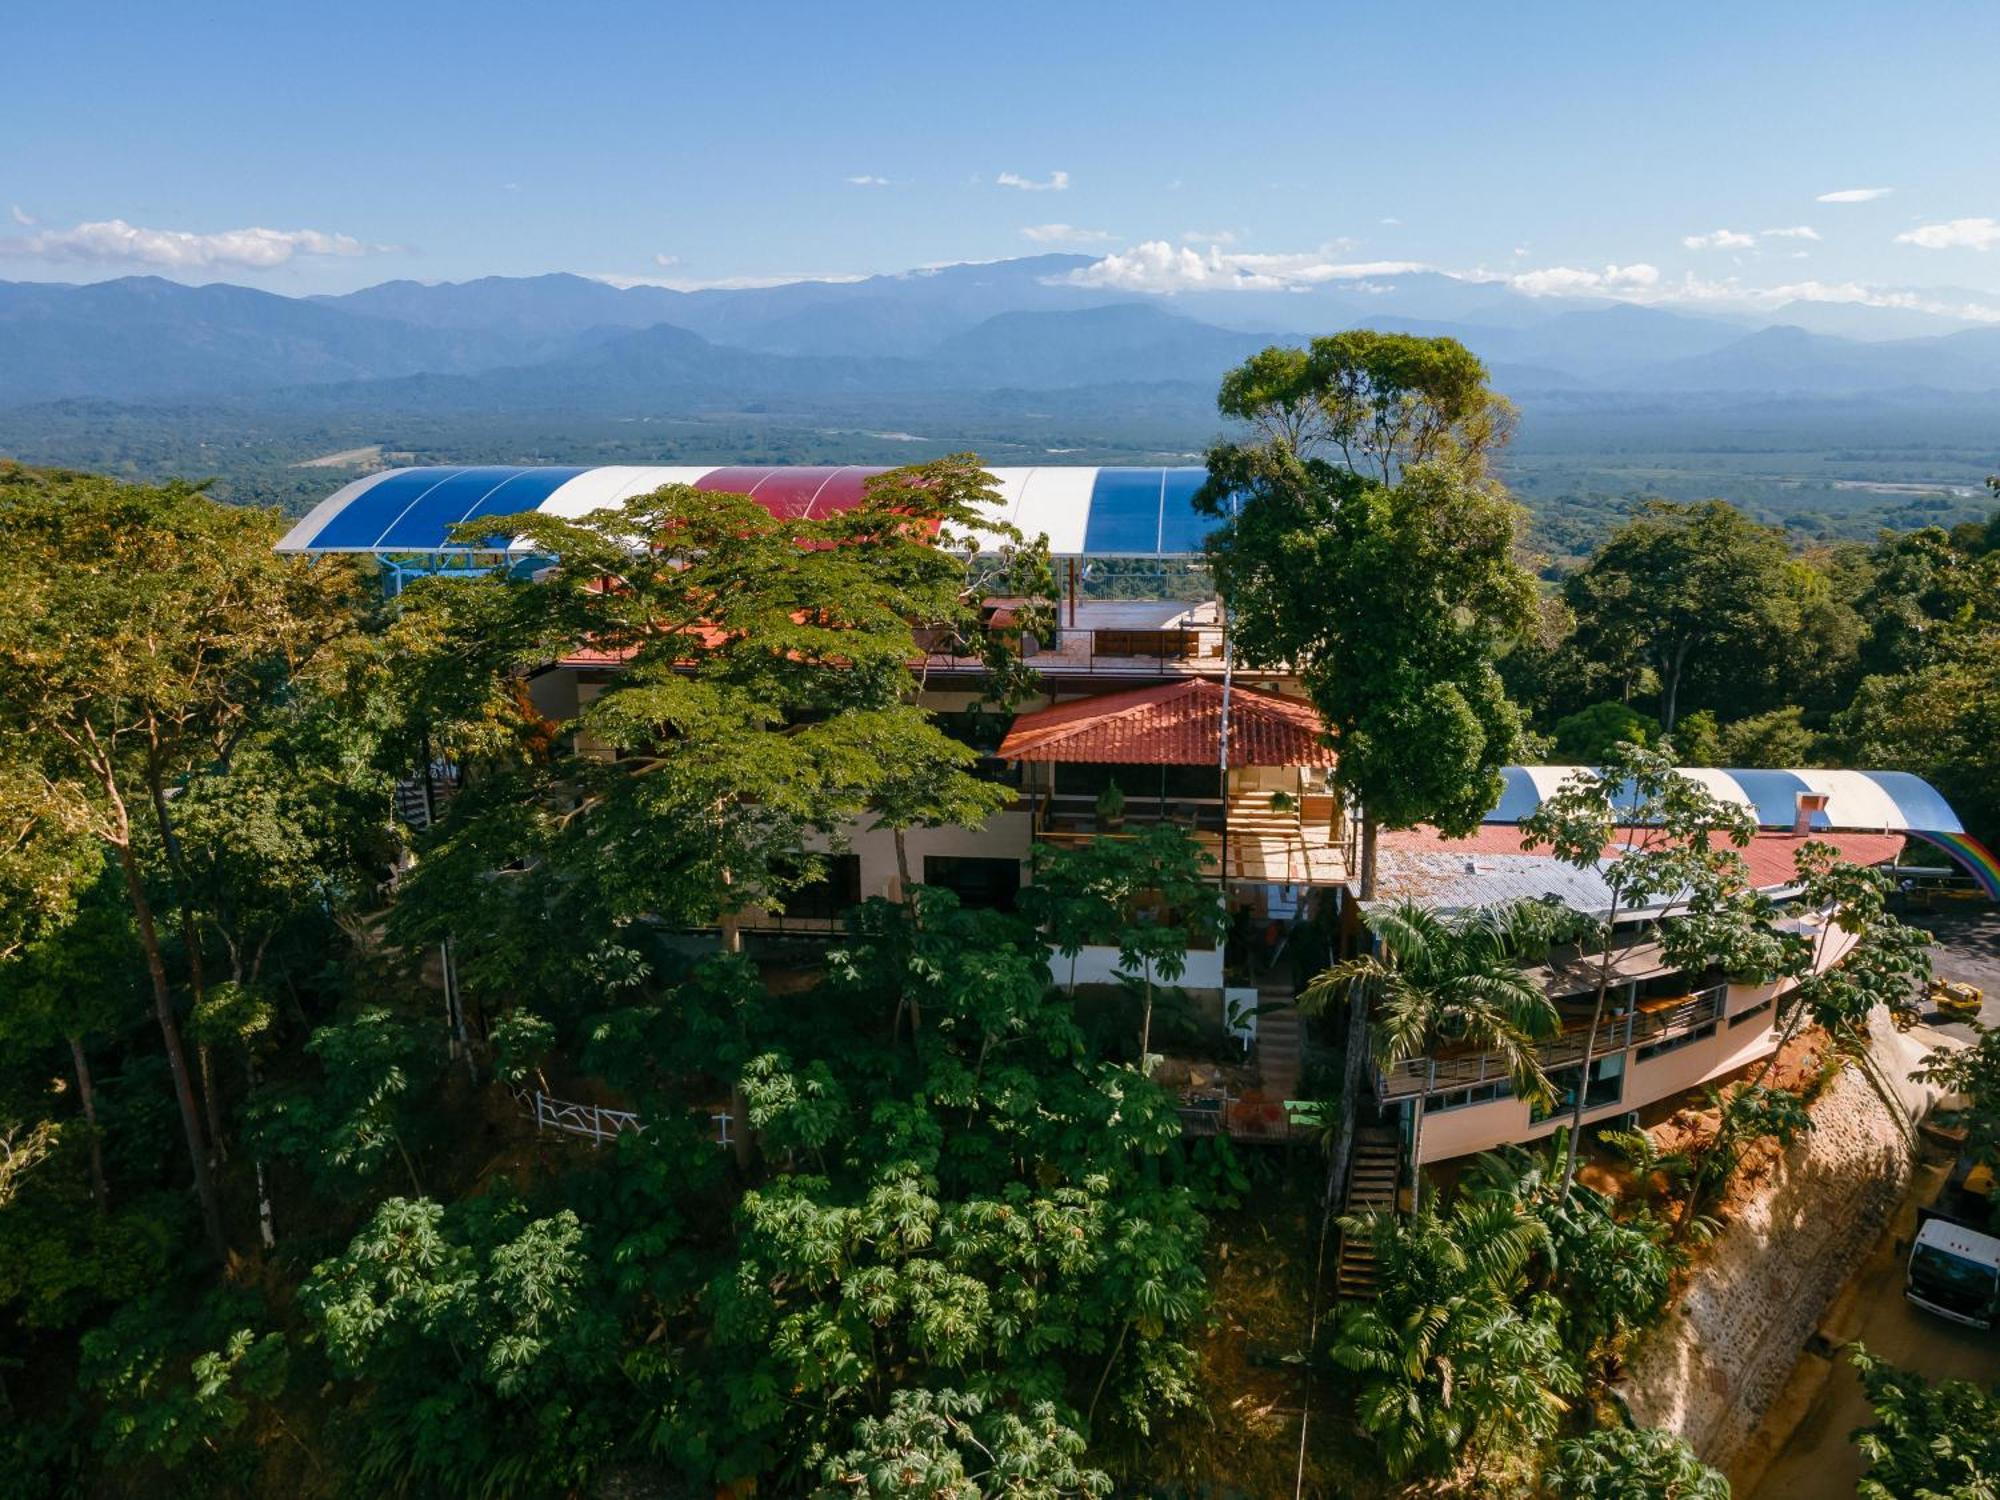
x,y
1854,801
1084,512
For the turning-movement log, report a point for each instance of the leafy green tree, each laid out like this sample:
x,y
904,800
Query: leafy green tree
x,y
162,1407
1974,1072
1443,979
1678,580
482,1339
355,1116
1609,1275
1149,895
1630,1463
1371,467
1776,739
1452,1370
118,680
947,1445
1586,736
1653,833
1928,1441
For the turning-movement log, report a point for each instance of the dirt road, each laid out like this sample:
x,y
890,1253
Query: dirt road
x,y
1818,1462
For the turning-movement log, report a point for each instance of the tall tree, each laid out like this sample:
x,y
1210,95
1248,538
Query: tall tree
x,y
1678,580
1654,835
1149,895
1365,544
141,631
1927,1442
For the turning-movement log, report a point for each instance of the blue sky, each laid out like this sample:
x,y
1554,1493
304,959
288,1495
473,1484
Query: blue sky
x,y
1680,156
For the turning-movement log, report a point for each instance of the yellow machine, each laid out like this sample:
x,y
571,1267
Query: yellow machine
x,y
1955,1001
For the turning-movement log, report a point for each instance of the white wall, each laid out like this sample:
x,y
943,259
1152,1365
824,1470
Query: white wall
x,y
1100,966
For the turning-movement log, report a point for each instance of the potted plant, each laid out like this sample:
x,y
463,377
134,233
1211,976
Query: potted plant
x,y
1111,808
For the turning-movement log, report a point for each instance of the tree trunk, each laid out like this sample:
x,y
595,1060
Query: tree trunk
x,y
87,1095
1367,856
170,841
1575,1147
1146,1020
739,1109
211,1101
1670,687
170,1034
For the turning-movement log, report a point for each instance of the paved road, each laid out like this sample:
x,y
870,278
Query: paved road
x,y
1818,1462
1967,949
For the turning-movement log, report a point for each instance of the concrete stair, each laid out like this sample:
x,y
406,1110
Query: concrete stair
x,y
1371,1184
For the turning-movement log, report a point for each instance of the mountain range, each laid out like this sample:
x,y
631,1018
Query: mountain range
x,y
563,342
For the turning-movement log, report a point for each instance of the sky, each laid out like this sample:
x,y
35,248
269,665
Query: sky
x,y
1720,153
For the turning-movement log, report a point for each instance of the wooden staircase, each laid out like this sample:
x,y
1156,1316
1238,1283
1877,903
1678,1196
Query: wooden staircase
x,y
1371,1184
1279,1045
1264,843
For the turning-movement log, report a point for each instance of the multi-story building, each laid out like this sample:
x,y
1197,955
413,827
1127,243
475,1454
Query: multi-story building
x,y
1142,694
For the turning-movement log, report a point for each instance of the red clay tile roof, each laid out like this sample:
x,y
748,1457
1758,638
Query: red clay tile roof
x,y
1174,724
1769,854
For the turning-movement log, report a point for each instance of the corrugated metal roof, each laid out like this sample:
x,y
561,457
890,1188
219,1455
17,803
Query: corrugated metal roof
x,y
1495,865
1173,724
1858,800
1084,511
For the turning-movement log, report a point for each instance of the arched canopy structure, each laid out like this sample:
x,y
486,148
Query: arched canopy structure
x,y
1809,799
1084,512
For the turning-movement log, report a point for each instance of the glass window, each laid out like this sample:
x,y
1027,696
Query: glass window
x,y
829,897
976,882
1606,1086
1674,1044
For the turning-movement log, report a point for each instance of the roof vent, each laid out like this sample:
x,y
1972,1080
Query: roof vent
x,y
1809,803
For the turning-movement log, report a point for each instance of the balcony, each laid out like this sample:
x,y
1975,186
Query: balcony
x,y
1650,1024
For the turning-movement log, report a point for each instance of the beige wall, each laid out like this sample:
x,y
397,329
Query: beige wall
x,y
1481,1127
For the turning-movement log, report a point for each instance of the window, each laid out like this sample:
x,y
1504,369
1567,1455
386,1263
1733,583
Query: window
x,y
1674,1044
1607,1086
1480,1093
976,882
1762,1008
829,897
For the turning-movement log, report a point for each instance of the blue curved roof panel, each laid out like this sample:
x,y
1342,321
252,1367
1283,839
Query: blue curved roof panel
x,y
1854,801
1083,511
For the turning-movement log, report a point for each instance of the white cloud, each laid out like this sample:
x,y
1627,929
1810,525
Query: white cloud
x,y
1391,222
868,179
114,242
665,261
623,281
1571,281
1957,234
1066,234
21,216
1208,237
1157,266
1719,239
1055,182
1745,239
1854,195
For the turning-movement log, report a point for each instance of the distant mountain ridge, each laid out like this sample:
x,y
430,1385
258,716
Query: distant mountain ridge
x,y
507,343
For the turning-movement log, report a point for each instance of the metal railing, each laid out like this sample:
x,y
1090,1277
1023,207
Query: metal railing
x,y
594,1122
1440,1075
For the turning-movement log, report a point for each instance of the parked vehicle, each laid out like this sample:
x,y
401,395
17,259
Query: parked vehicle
x,y
1955,1001
1954,1266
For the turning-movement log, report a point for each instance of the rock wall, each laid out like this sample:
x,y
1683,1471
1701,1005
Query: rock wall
x,y
1728,1345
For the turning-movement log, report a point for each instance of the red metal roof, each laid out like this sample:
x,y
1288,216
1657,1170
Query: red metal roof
x,y
1769,854
1174,724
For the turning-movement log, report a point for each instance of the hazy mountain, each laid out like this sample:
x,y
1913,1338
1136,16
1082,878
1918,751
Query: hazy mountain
x,y
1093,346
565,341
545,305
144,338
1793,361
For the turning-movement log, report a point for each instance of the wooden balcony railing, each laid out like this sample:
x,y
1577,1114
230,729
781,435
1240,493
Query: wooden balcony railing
x,y
1638,1028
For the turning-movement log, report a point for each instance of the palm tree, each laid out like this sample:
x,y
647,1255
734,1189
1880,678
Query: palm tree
x,y
1451,1354
1443,979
